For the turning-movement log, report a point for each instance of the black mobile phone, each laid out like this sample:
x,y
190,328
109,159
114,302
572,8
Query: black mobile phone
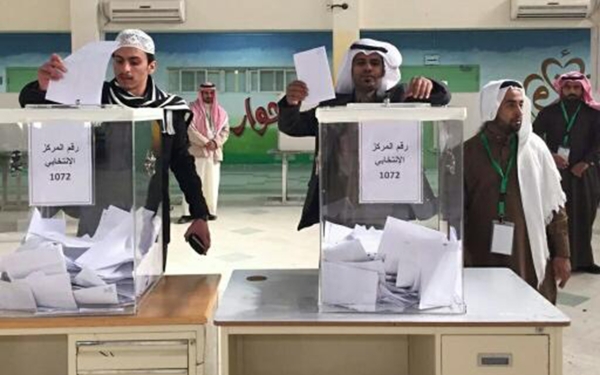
x,y
196,244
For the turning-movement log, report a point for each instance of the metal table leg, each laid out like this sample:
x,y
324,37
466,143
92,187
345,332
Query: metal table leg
x,y
284,172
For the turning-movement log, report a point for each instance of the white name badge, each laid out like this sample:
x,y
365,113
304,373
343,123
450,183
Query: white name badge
x,y
564,152
502,238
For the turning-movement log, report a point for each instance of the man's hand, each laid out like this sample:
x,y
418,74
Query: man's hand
x,y
212,146
296,92
52,69
579,168
199,227
561,162
419,88
562,270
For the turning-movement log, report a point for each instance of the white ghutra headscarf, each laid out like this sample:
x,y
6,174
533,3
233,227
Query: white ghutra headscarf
x,y
539,179
392,59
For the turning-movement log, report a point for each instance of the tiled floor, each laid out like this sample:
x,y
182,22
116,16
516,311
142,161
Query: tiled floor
x,y
253,233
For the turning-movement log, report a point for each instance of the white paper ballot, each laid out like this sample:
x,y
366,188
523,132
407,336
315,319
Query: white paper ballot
x,y
40,226
116,272
150,263
344,284
401,238
390,162
439,270
52,291
114,249
111,251
312,67
16,295
409,271
88,278
68,241
111,218
371,265
148,229
346,251
23,263
335,233
369,238
100,295
60,163
86,70
35,242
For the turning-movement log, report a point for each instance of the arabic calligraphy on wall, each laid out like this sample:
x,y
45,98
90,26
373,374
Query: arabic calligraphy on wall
x,y
259,120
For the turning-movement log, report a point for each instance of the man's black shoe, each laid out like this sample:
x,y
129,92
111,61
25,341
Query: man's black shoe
x,y
212,217
184,219
593,269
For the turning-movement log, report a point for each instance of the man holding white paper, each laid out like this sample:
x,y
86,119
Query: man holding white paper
x,y
514,205
133,64
370,73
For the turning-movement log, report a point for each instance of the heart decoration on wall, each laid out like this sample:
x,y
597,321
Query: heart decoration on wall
x,y
538,86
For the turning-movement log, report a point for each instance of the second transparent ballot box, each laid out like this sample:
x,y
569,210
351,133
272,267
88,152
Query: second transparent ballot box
x,y
391,208
81,209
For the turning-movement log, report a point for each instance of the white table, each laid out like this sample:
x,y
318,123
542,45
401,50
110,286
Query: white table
x,y
274,327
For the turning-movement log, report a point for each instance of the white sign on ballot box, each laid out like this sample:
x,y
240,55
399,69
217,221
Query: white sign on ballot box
x,y
60,163
390,162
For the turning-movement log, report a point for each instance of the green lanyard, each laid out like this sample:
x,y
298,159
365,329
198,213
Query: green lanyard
x,y
570,122
501,173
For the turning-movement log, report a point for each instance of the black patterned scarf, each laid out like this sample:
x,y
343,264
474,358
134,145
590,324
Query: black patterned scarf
x,y
153,98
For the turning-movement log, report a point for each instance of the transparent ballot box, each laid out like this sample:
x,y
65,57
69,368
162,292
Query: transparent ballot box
x,y
391,208
80,209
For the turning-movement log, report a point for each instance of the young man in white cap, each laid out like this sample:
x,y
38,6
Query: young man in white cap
x,y
133,64
370,73
524,227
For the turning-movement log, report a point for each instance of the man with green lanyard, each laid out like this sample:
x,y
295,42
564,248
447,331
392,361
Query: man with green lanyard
x,y
514,204
571,128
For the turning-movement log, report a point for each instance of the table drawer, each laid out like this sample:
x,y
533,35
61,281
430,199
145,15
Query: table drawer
x,y
134,354
134,372
495,355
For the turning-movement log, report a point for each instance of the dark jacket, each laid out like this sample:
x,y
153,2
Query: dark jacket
x,y
174,155
303,124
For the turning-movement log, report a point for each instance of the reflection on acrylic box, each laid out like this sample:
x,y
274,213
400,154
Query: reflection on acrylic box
x,y
53,272
405,267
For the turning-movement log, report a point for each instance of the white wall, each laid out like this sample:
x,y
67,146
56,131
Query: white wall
x,y
234,15
35,15
470,101
450,14
9,100
257,15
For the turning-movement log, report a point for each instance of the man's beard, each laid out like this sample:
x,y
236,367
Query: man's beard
x,y
513,126
572,98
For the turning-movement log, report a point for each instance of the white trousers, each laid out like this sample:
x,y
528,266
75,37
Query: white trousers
x,y
209,172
